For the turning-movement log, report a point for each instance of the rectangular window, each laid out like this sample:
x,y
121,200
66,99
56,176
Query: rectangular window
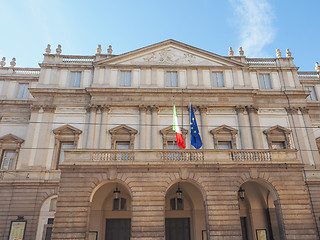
x,y
312,96
276,145
123,145
7,161
125,79
218,79
63,146
23,90
265,81
172,79
224,145
75,80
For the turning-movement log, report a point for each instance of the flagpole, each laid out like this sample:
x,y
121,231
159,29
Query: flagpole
x,y
182,110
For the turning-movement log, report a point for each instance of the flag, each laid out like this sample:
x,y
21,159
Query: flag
x,y
195,135
176,128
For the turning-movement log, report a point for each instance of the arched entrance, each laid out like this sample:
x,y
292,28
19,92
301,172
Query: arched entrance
x,y
184,212
110,215
260,215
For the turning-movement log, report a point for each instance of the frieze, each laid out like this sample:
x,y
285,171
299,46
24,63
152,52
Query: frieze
x,y
71,110
272,111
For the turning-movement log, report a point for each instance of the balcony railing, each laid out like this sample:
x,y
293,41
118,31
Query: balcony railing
x,y
77,59
179,156
267,62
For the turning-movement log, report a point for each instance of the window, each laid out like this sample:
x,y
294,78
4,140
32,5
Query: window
x,y
7,161
265,81
224,145
23,90
66,137
276,145
172,79
123,145
48,229
278,137
75,79
225,137
176,204
312,96
63,146
218,79
122,137
125,79
169,138
119,204
9,149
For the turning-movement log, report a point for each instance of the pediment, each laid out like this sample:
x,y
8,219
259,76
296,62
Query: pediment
x,y
170,53
169,130
224,129
10,138
276,129
67,130
122,130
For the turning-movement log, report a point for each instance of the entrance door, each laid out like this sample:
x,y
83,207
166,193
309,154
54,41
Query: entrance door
x,y
177,228
118,229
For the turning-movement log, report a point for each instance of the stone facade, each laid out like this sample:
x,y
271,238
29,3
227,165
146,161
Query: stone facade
x,y
87,146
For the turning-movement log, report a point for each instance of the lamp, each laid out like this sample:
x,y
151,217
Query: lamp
x,y
179,192
241,193
116,193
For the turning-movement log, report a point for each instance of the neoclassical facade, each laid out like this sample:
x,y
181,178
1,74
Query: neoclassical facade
x,y
88,151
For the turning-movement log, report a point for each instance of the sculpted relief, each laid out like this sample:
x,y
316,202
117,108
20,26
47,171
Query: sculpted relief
x,y
171,56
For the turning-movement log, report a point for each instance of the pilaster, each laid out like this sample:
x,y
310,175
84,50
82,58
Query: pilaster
x,y
255,127
204,127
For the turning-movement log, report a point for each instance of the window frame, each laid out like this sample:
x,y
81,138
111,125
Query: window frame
x,y
124,82
64,134
313,94
122,133
23,90
218,83
10,143
264,85
169,136
73,83
224,133
278,134
169,73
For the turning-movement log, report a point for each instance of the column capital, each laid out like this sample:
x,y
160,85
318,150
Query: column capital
x,y
154,108
203,109
105,108
92,108
252,109
304,110
143,108
35,108
240,108
49,108
292,110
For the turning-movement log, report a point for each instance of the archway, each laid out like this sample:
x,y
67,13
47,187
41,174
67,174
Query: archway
x,y
184,212
110,215
46,218
260,215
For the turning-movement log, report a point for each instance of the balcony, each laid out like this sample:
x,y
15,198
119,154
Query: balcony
x,y
140,157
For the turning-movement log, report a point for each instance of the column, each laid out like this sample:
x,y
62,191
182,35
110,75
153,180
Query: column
x,y
154,127
91,128
142,132
204,127
255,127
148,128
298,136
104,128
97,128
244,127
310,134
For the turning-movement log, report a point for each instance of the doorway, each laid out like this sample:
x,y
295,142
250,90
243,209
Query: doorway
x,y
118,229
177,228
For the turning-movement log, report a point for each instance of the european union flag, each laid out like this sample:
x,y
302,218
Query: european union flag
x,y
195,136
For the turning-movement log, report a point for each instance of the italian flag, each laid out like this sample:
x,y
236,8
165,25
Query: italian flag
x,y
176,128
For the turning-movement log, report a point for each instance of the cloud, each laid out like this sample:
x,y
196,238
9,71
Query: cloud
x,y
254,18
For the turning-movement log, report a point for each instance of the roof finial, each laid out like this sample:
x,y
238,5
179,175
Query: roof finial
x,y
317,67
241,52
278,53
13,62
3,62
59,50
230,51
99,50
288,53
109,50
48,49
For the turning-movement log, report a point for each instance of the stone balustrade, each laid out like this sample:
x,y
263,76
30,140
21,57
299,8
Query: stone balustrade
x,y
20,71
268,62
77,59
179,156
309,75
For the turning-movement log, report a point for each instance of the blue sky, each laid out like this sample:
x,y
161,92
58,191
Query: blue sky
x,y
260,26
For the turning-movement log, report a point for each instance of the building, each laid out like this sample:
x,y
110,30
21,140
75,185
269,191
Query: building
x,y
88,150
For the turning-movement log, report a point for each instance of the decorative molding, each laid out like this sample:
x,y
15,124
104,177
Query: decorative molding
x,y
240,109
252,109
292,110
272,111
